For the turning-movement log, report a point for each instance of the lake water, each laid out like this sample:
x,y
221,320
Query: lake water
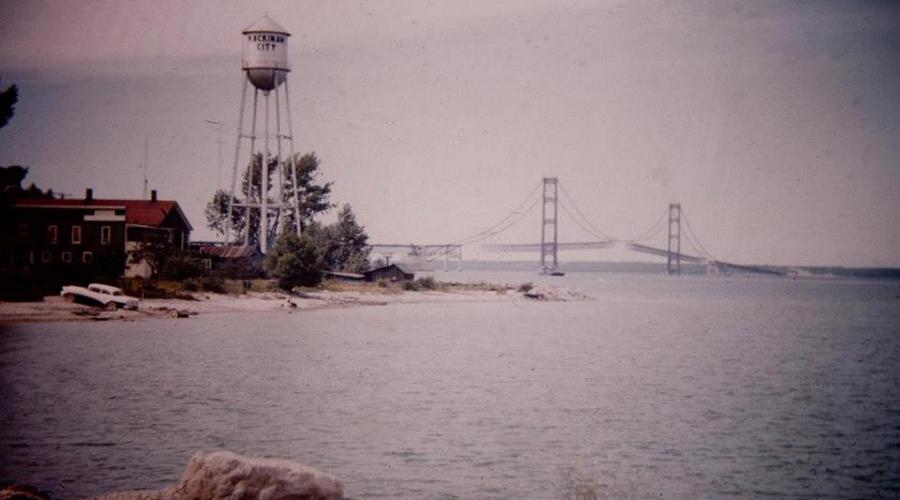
x,y
664,387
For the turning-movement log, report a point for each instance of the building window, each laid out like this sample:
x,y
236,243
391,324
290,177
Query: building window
x,y
87,257
23,229
76,235
207,264
46,256
52,232
66,257
105,235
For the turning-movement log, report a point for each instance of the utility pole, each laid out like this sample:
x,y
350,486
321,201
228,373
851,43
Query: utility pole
x,y
549,230
673,253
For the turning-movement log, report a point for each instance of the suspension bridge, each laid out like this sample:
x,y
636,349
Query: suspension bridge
x,y
552,196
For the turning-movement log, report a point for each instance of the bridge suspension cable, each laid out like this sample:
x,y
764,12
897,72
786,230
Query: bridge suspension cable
x,y
693,240
584,227
594,230
654,229
505,223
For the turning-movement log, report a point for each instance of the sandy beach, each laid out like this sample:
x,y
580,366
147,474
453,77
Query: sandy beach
x,y
54,308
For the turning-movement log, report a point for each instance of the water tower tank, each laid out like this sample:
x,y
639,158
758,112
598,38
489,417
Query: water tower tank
x,y
265,54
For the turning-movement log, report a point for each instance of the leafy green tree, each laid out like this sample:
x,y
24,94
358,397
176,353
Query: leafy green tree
x,y
313,198
295,261
347,243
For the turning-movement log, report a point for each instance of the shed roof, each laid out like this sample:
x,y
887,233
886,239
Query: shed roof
x,y
229,251
398,266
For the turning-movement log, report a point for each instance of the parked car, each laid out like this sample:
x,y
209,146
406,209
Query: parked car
x,y
107,296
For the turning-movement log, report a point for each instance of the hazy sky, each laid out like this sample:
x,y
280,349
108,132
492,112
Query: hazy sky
x,y
775,124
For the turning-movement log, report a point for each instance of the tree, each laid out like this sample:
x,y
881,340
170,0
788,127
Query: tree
x,y
312,197
8,100
347,248
11,178
295,260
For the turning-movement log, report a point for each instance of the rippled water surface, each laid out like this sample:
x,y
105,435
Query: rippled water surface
x,y
690,387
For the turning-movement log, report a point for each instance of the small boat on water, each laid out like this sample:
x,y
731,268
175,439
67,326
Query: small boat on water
x,y
552,272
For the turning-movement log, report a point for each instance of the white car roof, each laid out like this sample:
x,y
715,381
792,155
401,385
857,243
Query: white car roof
x,y
108,288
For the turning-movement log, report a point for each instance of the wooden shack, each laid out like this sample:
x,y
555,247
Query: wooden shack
x,y
391,272
341,276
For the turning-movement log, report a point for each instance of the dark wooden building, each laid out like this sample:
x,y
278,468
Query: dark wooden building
x,y
84,238
238,261
391,272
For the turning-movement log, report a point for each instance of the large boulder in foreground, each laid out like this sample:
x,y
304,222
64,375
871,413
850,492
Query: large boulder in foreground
x,y
224,475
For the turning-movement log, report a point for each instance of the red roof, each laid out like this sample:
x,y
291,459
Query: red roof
x,y
142,212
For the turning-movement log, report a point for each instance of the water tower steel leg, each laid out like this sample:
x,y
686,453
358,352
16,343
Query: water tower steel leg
x,y
250,197
279,162
287,104
264,182
237,154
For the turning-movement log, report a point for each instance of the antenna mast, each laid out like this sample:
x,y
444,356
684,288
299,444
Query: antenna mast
x,y
144,193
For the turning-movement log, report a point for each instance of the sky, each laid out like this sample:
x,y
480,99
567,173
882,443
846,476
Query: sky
x,y
775,124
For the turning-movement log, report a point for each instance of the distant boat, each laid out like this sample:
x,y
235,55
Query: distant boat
x,y
557,273
552,272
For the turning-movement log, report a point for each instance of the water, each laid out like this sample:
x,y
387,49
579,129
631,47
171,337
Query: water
x,y
689,387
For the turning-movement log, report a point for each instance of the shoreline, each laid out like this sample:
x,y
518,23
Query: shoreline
x,y
54,309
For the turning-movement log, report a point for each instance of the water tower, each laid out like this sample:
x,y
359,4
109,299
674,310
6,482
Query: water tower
x,y
265,66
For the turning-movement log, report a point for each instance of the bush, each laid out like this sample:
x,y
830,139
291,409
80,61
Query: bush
x,y
526,287
295,261
214,284
382,284
248,268
182,266
426,283
190,285
410,286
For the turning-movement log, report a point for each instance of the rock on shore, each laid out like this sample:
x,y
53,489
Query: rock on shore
x,y
224,475
554,293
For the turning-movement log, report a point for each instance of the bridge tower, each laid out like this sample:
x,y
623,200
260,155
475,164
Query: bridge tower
x,y
673,253
549,229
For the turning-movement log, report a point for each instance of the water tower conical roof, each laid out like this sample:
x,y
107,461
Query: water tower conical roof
x,y
265,24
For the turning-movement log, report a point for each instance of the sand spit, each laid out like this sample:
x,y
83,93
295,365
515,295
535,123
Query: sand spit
x,y
54,308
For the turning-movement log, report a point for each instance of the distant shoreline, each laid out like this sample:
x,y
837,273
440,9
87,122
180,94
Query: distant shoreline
x,y
686,268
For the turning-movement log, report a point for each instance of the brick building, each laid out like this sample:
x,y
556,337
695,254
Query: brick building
x,y
85,238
